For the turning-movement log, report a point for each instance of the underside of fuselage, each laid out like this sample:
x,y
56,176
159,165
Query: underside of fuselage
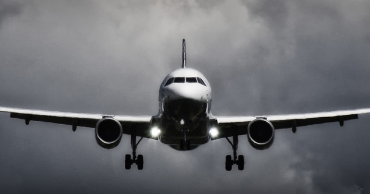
x,y
174,137
184,124
187,110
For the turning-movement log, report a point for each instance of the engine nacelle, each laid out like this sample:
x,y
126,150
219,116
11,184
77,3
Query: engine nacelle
x,y
108,132
261,133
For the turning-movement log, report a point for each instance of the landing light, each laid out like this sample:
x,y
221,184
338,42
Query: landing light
x,y
155,131
213,132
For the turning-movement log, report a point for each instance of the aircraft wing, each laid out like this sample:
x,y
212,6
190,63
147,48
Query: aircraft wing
x,y
228,126
141,124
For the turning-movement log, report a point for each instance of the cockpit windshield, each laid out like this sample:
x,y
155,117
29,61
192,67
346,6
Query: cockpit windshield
x,y
183,80
201,81
191,80
179,80
169,81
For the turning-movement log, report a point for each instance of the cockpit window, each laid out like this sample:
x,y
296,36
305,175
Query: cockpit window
x,y
201,81
179,80
183,80
169,82
191,80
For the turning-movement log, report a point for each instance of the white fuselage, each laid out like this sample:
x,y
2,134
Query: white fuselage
x,y
184,108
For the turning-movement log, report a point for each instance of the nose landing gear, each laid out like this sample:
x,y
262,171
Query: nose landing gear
x,y
184,143
238,160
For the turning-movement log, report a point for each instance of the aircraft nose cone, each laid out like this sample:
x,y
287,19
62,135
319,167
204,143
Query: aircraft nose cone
x,y
187,92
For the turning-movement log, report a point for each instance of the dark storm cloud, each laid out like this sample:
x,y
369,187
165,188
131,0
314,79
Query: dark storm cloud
x,y
261,57
328,64
274,13
8,9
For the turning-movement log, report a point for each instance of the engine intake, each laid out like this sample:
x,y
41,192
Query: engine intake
x,y
108,132
261,133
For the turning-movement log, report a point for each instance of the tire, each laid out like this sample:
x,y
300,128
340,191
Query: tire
x,y
128,162
228,163
140,162
240,162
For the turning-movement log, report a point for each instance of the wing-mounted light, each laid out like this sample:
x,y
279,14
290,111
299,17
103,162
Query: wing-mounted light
x,y
213,132
155,130
213,129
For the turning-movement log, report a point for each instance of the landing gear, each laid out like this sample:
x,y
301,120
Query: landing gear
x,y
139,160
228,163
235,160
128,162
184,143
240,162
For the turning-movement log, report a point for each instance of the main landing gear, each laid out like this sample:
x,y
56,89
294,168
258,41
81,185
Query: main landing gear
x,y
235,160
139,160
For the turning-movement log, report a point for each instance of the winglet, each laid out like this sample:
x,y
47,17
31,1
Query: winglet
x,y
183,53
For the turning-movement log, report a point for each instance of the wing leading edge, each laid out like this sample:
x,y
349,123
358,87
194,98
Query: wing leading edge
x,y
228,126
141,124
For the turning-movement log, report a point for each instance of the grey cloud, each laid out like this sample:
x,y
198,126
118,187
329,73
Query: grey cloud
x,y
8,9
274,13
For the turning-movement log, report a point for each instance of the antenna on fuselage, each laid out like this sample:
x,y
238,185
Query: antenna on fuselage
x,y
183,53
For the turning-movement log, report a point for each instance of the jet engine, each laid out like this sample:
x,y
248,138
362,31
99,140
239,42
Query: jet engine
x,y
261,133
108,132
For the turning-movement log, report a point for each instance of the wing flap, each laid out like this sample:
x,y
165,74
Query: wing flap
x,y
83,122
283,124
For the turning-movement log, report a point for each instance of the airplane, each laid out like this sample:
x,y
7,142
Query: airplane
x,y
184,120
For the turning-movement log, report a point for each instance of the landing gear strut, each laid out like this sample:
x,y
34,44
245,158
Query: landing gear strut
x,y
184,143
235,160
139,160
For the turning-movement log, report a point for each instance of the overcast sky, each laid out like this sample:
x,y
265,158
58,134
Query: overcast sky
x,y
260,56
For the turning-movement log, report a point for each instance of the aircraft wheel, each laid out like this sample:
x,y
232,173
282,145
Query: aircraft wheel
x,y
128,162
140,162
228,163
240,162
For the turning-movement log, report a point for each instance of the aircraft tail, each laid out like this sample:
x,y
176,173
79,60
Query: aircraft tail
x,y
183,53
